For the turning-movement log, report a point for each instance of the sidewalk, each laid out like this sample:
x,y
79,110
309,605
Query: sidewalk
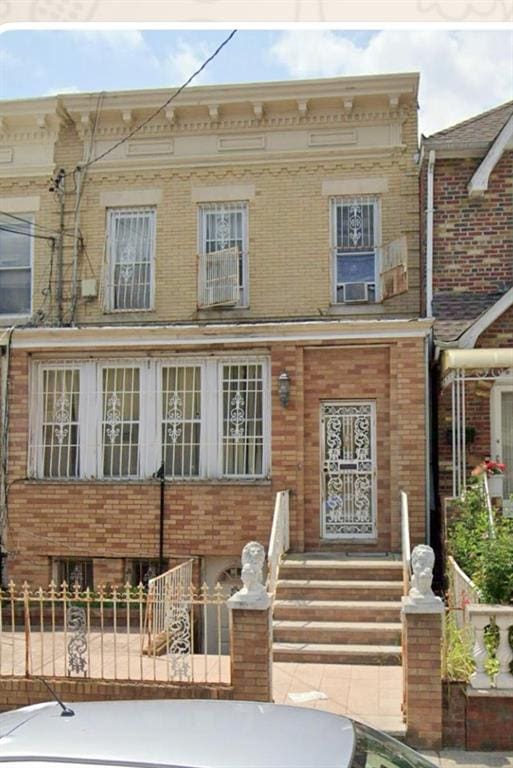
x,y
372,694
457,758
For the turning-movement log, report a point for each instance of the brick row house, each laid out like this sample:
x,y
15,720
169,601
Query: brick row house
x,y
223,306
467,196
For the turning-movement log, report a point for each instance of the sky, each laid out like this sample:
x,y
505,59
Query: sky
x,y
463,72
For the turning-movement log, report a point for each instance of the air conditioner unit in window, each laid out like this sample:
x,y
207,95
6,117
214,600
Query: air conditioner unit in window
x,y
355,292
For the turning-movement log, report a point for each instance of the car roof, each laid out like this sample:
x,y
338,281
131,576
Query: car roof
x,y
196,734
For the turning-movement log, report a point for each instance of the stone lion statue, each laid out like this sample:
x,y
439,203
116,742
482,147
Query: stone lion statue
x,y
253,557
422,562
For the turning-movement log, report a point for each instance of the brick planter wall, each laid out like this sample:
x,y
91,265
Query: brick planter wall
x,y
19,692
478,721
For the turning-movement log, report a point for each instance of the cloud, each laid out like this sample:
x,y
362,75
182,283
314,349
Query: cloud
x,y
116,40
186,59
462,72
62,89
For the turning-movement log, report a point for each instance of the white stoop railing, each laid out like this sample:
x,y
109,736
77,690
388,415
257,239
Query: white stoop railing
x,y
462,591
481,617
405,542
173,586
489,508
280,538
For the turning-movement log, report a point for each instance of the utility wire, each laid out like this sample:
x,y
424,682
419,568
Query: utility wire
x,y
34,224
27,234
157,111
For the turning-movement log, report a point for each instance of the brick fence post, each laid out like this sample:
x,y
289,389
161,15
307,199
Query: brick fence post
x,y
251,631
422,617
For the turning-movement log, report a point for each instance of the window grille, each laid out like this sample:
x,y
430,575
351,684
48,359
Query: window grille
x,y
131,246
181,420
60,427
201,418
73,571
243,432
141,570
15,266
120,421
223,227
354,223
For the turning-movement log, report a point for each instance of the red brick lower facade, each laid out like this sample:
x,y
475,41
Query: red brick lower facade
x,y
111,522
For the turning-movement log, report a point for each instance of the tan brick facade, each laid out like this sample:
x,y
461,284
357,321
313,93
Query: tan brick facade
x,y
286,163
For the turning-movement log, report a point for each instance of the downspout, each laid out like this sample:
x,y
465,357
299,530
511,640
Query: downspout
x,y
429,234
427,428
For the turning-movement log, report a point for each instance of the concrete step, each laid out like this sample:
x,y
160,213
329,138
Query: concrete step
x,y
367,569
337,610
331,589
337,632
321,653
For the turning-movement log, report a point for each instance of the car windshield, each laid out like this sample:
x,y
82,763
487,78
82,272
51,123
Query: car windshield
x,y
377,750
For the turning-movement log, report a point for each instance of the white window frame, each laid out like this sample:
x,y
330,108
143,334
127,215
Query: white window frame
x,y
150,448
347,200
500,387
17,315
243,206
111,262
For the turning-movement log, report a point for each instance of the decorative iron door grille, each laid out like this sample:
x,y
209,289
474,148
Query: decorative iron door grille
x,y
348,467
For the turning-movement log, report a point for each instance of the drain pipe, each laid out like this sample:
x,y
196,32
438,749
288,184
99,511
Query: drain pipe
x,y
160,475
429,233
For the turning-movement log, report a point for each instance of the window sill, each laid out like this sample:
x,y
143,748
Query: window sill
x,y
260,481
220,313
13,319
355,309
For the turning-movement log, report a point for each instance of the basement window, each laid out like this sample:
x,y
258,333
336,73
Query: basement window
x,y
73,571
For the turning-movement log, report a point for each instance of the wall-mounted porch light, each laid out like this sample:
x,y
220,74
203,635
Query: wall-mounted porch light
x,y
284,388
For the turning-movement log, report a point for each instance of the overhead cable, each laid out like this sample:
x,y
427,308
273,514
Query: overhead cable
x,y
157,111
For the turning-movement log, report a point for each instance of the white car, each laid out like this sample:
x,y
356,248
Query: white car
x,y
193,734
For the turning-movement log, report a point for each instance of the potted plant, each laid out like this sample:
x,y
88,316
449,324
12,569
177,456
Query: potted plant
x,y
495,475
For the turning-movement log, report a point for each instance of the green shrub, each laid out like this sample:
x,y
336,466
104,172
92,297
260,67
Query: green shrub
x,y
487,559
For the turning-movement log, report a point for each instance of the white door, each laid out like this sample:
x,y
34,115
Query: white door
x,y
348,470
502,431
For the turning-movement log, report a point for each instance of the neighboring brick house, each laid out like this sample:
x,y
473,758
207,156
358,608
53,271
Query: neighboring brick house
x,y
469,285
249,238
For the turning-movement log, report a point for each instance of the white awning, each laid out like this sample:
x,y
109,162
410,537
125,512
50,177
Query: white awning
x,y
476,358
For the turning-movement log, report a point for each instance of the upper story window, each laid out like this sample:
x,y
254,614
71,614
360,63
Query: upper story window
x,y
200,418
223,249
354,246
16,246
130,258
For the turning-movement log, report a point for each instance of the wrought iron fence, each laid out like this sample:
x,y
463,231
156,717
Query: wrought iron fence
x,y
107,634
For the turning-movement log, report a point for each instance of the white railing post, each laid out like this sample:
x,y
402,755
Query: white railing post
x,y
504,621
405,542
479,678
279,541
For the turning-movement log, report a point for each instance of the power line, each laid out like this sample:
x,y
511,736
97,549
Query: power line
x,y
27,234
163,106
34,224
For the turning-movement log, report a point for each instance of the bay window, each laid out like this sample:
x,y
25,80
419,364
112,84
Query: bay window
x,y
200,418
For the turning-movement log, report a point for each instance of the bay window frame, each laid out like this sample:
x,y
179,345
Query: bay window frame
x,y
151,417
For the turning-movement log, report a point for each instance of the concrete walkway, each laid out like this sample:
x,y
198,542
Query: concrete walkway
x,y
371,694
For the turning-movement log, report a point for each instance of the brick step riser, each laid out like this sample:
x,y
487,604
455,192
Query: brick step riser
x,y
376,659
336,593
353,637
308,613
328,574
